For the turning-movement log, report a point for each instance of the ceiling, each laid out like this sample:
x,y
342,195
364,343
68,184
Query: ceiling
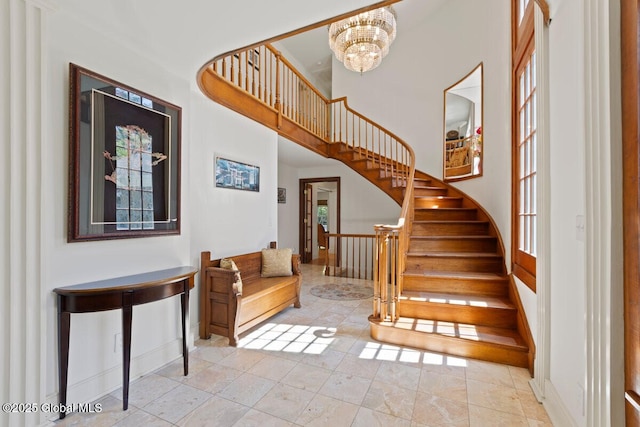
x,y
311,50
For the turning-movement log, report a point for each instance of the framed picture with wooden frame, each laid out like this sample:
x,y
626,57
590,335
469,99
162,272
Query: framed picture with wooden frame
x,y
124,160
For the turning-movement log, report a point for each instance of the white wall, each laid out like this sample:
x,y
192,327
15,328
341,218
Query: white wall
x,y
93,362
405,94
362,205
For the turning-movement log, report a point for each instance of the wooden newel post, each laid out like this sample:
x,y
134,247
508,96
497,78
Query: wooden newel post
x,y
381,277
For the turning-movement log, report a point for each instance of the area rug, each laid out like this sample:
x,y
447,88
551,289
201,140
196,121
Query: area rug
x,y
342,291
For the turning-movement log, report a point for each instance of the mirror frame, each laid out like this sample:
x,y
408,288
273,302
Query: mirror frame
x,y
475,148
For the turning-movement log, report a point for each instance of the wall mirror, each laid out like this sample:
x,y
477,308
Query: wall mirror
x,y
463,127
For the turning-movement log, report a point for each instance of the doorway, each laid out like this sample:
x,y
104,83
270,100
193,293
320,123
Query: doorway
x,y
319,204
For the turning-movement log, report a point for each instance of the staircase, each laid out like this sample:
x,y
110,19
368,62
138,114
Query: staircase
x,y
456,297
449,291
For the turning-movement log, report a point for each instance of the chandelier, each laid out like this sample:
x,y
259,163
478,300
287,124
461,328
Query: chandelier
x,y
360,42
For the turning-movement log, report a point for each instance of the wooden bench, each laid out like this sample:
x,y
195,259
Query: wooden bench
x,y
227,310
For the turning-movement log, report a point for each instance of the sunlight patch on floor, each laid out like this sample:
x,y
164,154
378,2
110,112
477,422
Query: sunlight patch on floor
x,y
391,353
289,338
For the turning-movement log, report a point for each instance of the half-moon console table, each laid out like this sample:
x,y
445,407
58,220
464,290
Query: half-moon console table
x,y
120,293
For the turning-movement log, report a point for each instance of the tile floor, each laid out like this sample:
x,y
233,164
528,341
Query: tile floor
x,y
317,366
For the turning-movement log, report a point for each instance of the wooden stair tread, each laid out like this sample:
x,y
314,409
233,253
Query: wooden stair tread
x,y
455,236
455,254
444,209
501,337
444,221
480,301
438,198
457,275
428,187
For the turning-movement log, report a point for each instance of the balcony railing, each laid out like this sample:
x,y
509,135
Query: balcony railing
x,y
269,79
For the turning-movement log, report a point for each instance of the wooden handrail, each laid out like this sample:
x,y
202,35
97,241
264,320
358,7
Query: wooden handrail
x,y
265,75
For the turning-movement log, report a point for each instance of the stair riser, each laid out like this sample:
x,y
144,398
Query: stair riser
x,y
450,345
451,228
494,317
434,202
445,215
453,264
456,285
430,192
453,244
422,182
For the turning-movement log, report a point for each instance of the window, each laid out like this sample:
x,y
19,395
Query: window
x,y
323,213
524,144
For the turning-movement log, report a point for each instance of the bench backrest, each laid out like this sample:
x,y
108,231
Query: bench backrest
x,y
250,265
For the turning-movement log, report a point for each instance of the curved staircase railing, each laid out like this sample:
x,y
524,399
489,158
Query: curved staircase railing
x,y
269,80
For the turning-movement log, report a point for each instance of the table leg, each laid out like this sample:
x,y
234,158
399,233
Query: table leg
x,y
127,312
64,326
184,298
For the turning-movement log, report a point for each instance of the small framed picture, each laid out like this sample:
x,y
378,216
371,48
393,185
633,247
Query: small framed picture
x,y
236,175
282,195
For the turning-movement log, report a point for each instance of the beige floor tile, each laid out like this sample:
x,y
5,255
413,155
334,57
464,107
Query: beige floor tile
x,y
484,417
213,379
285,402
307,377
494,396
531,407
177,403
390,399
365,368
444,364
521,378
111,412
175,369
272,367
213,352
447,386
242,360
327,359
255,418
346,386
142,418
434,411
247,389
324,411
369,418
396,373
222,412
147,389
489,372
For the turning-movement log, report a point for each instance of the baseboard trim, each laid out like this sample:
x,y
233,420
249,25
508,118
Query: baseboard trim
x,y
553,404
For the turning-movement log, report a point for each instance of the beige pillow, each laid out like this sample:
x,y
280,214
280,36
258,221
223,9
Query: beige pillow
x,y
276,262
229,264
